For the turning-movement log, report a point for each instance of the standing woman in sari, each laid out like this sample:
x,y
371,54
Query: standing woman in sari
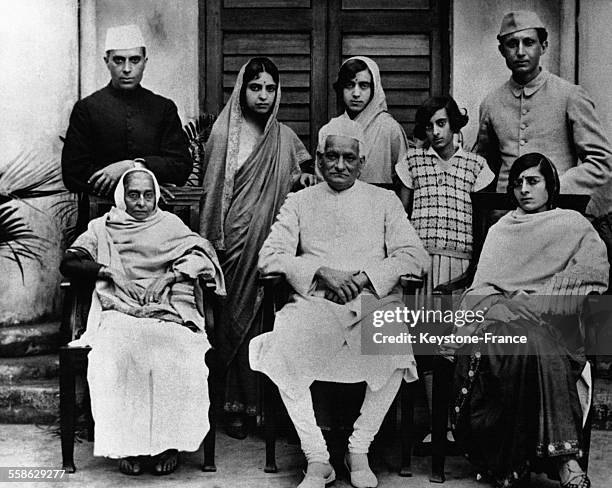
x,y
360,89
252,162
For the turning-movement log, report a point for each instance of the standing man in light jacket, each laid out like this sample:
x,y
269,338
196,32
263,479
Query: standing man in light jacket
x,y
536,111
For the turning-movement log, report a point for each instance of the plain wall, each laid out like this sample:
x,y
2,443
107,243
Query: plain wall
x,y
39,78
170,30
595,66
477,67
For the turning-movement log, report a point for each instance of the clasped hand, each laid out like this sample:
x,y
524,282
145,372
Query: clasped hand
x,y
152,294
506,310
341,286
509,309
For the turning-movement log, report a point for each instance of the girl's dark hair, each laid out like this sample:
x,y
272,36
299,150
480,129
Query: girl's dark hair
x,y
548,170
425,112
347,72
252,70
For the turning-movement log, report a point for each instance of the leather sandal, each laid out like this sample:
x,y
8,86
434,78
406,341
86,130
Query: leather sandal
x,y
314,481
363,478
236,427
579,481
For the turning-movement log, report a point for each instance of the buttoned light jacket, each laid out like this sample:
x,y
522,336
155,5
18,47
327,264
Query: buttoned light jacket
x,y
551,116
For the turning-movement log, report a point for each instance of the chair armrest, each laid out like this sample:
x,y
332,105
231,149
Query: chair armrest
x,y
68,347
208,284
462,281
272,279
410,283
77,300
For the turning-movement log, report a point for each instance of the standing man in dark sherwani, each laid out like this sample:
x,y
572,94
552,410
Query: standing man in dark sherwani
x,y
123,125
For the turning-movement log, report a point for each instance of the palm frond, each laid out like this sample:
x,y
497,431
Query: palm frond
x,y
197,132
18,238
21,179
23,176
65,213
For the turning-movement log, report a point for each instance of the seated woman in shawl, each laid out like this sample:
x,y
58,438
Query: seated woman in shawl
x,y
359,88
518,406
252,162
147,376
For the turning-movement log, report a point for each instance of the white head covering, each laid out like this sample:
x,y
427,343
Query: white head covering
x,y
341,126
120,189
123,37
378,102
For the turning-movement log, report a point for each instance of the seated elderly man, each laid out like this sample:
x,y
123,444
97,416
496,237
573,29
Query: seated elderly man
x,y
336,243
146,372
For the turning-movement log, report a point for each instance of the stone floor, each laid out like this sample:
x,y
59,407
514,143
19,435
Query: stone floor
x,y
240,465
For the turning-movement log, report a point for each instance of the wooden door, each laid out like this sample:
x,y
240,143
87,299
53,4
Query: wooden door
x,y
309,39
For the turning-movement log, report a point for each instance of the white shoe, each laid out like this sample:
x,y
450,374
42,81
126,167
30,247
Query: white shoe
x,y
364,478
314,481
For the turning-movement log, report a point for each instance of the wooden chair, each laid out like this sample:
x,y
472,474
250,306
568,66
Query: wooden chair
x,y
73,360
275,293
484,204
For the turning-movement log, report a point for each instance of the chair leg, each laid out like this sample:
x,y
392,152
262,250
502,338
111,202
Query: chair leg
x,y
407,392
209,447
442,377
209,441
67,409
271,399
88,414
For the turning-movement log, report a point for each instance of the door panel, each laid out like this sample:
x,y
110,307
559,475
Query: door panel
x,y
385,4
266,3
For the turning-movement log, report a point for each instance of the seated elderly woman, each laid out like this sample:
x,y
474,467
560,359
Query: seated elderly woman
x,y
519,406
147,375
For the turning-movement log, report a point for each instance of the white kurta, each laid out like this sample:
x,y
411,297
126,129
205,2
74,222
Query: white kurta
x,y
362,228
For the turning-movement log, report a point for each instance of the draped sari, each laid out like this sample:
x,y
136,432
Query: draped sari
x,y
240,204
519,406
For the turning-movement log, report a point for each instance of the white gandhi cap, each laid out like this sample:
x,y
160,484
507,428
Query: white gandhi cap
x,y
123,37
345,127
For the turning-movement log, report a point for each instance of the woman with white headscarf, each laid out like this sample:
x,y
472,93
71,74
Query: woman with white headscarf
x,y
252,162
146,370
360,89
